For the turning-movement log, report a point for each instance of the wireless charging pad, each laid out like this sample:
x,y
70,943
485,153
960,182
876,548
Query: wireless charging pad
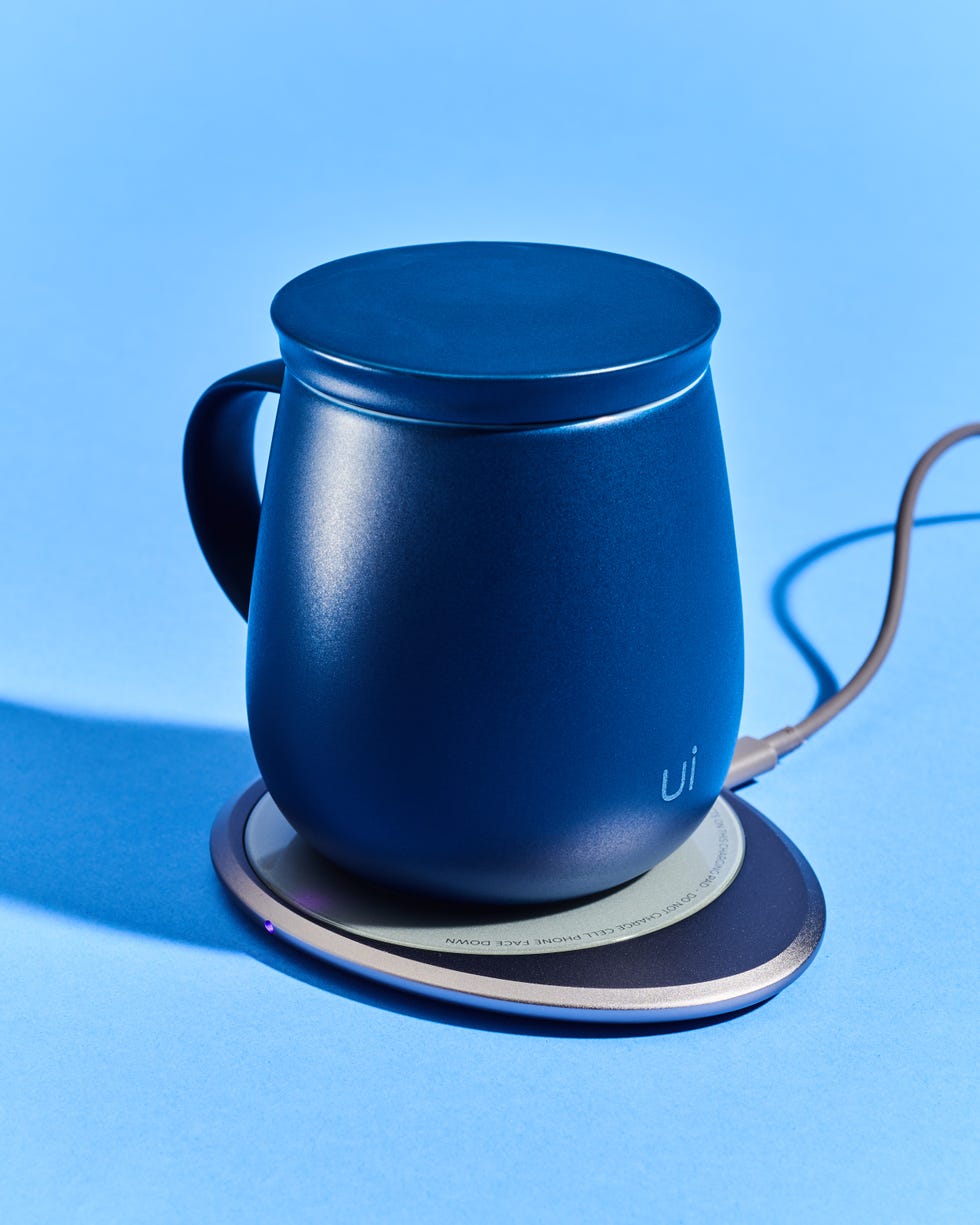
x,y
732,917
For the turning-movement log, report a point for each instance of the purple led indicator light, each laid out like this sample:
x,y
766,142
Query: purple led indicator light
x,y
269,926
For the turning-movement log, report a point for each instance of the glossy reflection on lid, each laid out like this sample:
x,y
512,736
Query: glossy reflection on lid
x,y
502,332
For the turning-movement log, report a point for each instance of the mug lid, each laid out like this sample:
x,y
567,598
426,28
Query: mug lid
x,y
495,333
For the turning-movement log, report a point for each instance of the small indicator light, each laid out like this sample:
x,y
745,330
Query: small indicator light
x,y
269,926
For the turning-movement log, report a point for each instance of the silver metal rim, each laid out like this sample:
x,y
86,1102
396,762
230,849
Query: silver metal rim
x,y
605,1004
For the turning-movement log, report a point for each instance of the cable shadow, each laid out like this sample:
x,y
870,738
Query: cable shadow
x,y
827,684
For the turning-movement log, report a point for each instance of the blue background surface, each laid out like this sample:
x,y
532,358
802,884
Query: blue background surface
x,y
168,167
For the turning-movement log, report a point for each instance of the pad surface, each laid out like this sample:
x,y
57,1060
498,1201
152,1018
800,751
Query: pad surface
x,y
694,876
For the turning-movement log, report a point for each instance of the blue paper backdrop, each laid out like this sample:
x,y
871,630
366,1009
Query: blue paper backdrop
x,y
167,167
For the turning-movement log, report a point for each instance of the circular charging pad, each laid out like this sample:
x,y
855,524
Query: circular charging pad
x,y
728,920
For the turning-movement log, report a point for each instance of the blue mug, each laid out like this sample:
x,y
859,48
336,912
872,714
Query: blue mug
x,y
494,620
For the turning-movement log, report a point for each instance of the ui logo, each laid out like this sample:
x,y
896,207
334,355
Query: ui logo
x,y
672,795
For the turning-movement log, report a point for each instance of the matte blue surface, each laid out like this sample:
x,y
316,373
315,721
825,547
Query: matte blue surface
x,y
817,172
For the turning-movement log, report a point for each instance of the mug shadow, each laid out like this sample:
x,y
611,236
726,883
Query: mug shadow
x,y
108,820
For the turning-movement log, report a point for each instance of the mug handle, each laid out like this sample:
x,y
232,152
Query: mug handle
x,y
219,475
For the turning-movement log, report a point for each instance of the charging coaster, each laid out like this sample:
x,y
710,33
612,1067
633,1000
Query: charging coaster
x,y
728,920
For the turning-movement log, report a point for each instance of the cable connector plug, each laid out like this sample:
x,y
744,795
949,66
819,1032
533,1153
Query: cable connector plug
x,y
752,757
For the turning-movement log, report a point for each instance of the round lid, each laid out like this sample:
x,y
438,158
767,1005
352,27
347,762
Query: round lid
x,y
495,333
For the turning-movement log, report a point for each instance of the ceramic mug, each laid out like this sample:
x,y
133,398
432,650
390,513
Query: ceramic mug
x,y
494,622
